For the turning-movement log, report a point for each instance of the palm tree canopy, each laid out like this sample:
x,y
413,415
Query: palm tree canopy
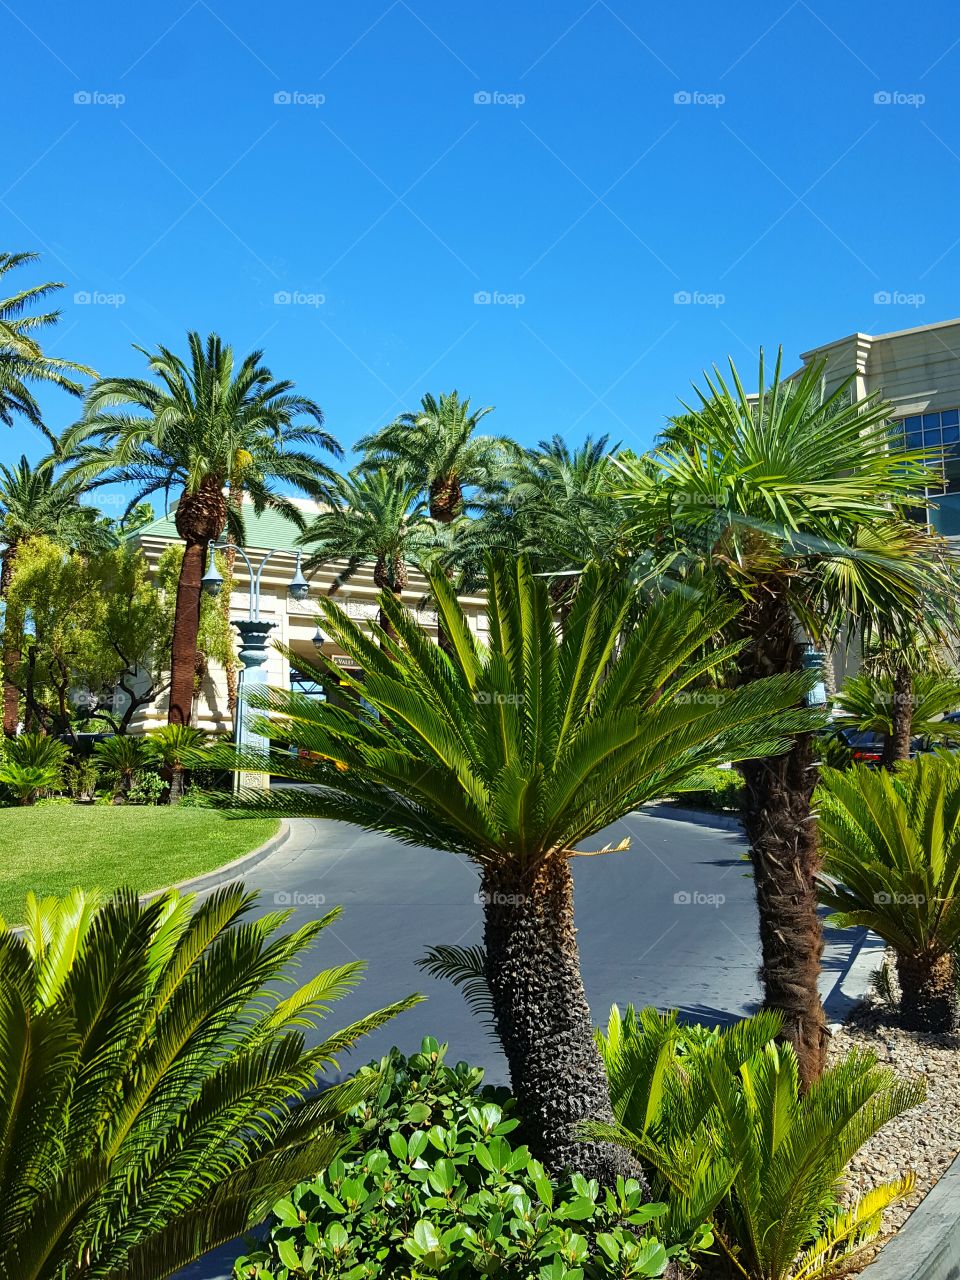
x,y
529,745
208,421
440,450
557,506
377,515
794,487
36,503
22,360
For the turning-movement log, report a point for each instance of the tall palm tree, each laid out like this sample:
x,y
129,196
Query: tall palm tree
x,y
36,503
378,516
557,505
513,755
216,430
22,360
439,449
793,501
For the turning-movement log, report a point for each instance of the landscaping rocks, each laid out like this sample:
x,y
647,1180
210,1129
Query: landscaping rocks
x,y
925,1139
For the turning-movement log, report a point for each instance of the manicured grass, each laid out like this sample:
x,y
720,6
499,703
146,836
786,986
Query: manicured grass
x,y
52,848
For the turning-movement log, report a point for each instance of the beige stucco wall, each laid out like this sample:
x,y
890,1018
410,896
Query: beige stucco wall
x,y
295,623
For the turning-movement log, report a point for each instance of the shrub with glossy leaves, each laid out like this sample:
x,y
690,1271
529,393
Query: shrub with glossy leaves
x,y
437,1187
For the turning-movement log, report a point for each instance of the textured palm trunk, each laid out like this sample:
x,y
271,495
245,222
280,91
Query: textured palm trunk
x,y
200,518
177,777
784,852
543,1019
896,746
928,992
11,657
445,499
389,577
186,627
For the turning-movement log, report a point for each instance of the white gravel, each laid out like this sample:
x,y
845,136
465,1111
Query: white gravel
x,y
925,1139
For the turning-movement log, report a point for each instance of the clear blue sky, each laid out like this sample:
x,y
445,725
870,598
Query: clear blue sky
x,y
784,188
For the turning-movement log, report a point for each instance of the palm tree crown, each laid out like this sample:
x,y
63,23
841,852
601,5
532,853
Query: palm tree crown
x,y
216,431
209,425
379,516
22,360
438,447
557,506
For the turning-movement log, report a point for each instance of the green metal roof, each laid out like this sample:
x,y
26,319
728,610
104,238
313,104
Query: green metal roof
x,y
264,532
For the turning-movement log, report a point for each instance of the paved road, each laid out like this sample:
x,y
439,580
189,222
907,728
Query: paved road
x,y
672,922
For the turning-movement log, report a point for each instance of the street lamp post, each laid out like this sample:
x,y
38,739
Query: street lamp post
x,y
254,637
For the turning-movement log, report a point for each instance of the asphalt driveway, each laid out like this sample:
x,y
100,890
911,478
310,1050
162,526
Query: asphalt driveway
x,y
671,922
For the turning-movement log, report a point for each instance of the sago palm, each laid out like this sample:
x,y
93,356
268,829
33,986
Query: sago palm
x,y
215,429
513,754
157,1091
794,502
868,702
377,517
722,1121
22,359
439,449
891,855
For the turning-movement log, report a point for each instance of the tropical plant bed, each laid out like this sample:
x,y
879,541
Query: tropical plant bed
x,y
925,1138
53,848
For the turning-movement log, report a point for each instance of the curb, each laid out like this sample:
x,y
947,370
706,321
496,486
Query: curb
x,y
699,817
927,1246
230,870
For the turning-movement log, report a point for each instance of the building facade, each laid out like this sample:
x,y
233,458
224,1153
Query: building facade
x,y
294,622
918,372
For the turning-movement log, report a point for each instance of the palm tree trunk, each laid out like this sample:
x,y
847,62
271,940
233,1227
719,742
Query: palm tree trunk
x,y
928,992
783,850
186,627
11,657
896,746
542,1017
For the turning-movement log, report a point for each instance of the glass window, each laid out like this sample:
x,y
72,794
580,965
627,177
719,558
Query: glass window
x,y
945,517
932,436
931,420
950,418
913,439
913,423
951,434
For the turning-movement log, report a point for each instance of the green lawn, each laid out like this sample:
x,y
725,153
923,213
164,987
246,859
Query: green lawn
x,y
52,848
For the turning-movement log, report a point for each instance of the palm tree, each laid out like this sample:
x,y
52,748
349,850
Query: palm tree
x,y
215,430
793,501
176,748
22,360
35,503
513,756
557,506
892,864
165,1096
439,450
377,516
